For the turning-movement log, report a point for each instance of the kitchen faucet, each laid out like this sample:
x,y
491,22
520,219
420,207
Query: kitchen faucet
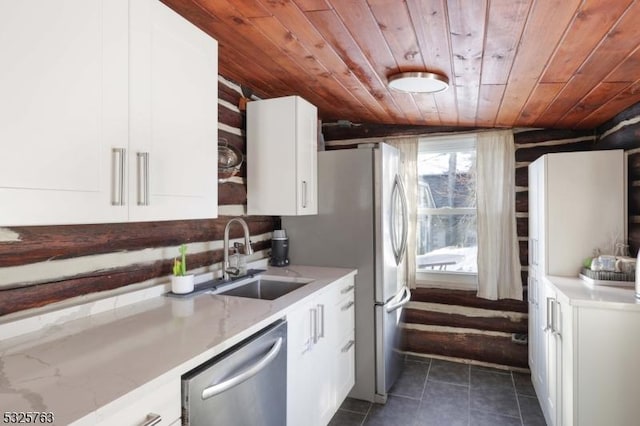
x,y
247,247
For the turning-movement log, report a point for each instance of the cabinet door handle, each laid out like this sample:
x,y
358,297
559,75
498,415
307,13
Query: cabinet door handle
x,y
314,325
347,290
557,312
347,306
152,419
117,186
143,178
304,194
548,326
348,346
320,322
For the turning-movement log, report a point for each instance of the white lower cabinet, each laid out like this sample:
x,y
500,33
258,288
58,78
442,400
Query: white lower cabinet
x,y
591,358
159,407
320,355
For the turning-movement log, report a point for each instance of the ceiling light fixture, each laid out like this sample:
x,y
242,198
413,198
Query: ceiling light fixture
x,y
418,82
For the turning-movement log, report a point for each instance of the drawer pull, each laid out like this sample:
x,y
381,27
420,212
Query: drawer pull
x,y
348,346
347,306
347,290
152,419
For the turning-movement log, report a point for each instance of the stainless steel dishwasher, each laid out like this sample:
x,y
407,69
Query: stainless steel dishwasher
x,y
244,386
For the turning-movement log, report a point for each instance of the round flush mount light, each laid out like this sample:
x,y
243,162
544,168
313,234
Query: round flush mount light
x,y
418,82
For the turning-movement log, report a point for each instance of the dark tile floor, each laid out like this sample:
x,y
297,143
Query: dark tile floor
x,y
432,392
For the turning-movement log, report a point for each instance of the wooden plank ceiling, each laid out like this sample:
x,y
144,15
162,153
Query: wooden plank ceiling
x,y
511,63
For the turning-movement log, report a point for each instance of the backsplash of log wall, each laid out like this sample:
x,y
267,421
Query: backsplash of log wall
x,y
45,267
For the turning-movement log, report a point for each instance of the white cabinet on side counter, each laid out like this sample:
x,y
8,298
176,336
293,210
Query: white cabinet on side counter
x,y
320,355
110,117
282,157
577,203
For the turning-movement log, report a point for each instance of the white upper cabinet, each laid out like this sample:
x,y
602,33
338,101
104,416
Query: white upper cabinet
x,y
282,157
91,86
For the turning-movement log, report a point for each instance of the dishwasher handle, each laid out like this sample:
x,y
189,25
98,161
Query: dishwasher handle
x,y
246,374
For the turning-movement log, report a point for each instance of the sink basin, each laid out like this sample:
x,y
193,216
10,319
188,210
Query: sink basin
x,y
262,288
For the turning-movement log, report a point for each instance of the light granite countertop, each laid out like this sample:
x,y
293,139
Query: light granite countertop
x,y
86,368
578,292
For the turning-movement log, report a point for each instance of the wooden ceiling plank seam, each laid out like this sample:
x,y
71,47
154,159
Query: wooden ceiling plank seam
x,y
428,109
623,100
434,42
593,20
397,30
544,27
296,21
362,26
316,71
333,29
268,53
488,104
629,66
504,31
313,5
599,95
543,94
467,46
597,66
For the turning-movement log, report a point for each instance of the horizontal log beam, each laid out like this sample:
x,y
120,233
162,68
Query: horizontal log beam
x,y
533,153
426,317
230,193
18,299
633,165
228,94
536,136
522,201
370,130
466,298
522,226
41,243
230,118
479,347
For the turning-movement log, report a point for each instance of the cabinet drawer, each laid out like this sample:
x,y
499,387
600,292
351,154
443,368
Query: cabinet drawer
x,y
344,318
345,368
163,402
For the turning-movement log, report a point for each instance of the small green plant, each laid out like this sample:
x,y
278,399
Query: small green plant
x,y
180,266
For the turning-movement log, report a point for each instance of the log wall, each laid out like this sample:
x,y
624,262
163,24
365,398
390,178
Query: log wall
x,y
45,267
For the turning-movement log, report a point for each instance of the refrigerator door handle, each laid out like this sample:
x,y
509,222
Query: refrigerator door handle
x,y
398,193
403,301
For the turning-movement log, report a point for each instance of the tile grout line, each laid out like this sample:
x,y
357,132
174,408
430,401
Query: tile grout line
x,y
469,397
424,387
515,389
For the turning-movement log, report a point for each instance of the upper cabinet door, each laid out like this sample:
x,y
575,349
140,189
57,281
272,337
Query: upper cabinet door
x,y
63,111
282,157
174,116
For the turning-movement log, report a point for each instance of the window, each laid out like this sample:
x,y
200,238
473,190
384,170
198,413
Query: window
x,y
446,245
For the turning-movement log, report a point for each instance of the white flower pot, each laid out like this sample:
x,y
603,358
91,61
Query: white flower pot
x,y
182,284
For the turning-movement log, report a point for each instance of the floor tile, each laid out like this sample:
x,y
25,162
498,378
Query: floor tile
x,y
347,418
523,384
356,405
411,380
499,400
488,379
417,358
449,372
531,411
397,411
444,404
480,418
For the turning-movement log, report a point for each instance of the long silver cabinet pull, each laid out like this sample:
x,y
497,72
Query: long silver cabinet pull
x,y
246,374
118,156
304,194
142,163
314,325
347,306
348,346
347,290
320,322
548,326
152,419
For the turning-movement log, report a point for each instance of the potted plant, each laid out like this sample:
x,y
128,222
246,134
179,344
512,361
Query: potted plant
x,y
181,282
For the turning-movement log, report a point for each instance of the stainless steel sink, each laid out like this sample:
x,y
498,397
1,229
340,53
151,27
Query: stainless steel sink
x,y
261,287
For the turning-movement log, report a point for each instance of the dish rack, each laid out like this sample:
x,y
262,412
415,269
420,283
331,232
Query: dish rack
x,y
617,279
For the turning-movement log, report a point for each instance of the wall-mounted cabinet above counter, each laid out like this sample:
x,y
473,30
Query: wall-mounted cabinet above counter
x,y
109,117
282,137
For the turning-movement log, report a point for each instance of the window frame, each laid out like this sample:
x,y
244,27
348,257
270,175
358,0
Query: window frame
x,y
446,279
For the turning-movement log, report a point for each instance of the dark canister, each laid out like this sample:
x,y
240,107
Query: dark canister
x,y
279,248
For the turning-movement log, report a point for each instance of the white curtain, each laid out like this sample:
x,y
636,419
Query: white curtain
x,y
498,251
408,148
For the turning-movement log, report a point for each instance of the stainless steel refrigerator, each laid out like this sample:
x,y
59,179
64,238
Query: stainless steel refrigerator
x,y
362,223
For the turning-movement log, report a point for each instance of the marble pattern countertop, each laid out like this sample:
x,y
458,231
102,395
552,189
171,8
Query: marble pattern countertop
x,y
579,293
91,366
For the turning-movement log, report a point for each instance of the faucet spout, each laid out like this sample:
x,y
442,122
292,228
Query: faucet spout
x,y
247,244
